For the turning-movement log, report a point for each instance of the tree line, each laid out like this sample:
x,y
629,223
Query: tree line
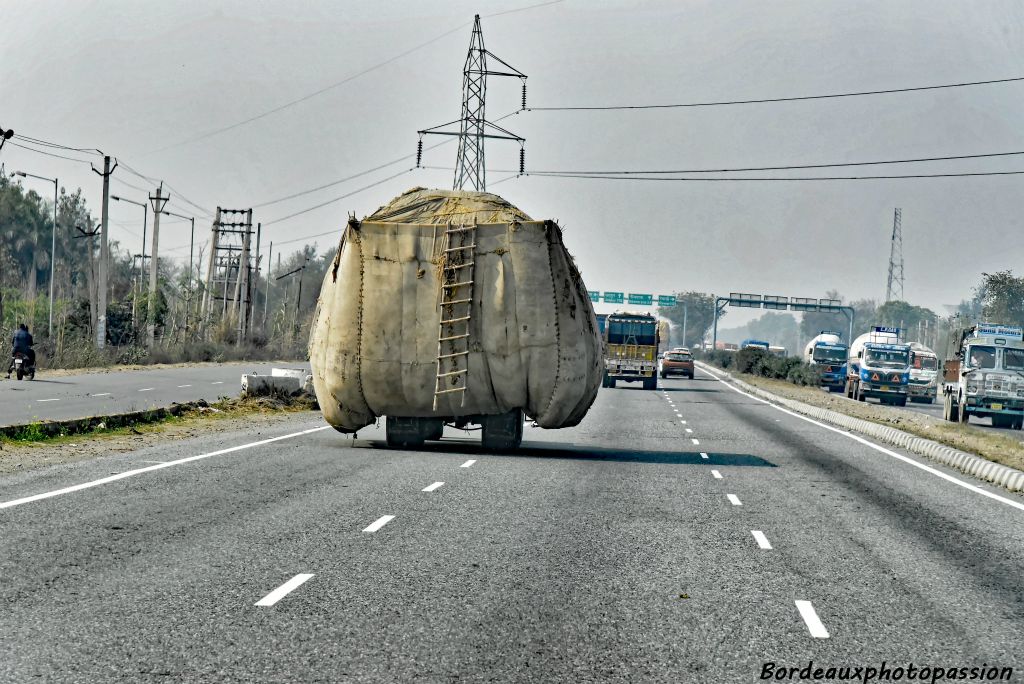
x,y
280,318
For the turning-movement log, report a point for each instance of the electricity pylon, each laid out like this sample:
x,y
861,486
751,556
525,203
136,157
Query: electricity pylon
x,y
894,287
474,128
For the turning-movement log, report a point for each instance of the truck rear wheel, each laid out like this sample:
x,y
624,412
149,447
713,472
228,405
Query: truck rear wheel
x,y
651,383
502,432
902,401
403,432
431,428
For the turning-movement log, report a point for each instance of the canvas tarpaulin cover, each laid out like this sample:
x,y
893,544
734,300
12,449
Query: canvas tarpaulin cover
x,y
533,342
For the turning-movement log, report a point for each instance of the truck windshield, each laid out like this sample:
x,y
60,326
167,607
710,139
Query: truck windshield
x,y
1013,359
825,355
926,363
885,358
981,356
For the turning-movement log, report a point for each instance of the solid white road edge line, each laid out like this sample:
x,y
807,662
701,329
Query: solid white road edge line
x,y
876,447
468,463
717,475
432,487
762,541
734,500
379,523
139,471
283,590
810,617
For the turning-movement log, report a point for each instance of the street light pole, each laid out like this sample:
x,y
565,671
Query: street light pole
x,y
53,242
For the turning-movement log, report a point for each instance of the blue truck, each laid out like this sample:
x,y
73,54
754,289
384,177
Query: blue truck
x,y
829,354
757,344
879,367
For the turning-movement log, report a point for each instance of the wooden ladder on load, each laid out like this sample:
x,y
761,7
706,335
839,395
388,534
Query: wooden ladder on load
x,y
456,306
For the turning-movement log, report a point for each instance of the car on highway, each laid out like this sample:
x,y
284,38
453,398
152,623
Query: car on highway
x,y
677,363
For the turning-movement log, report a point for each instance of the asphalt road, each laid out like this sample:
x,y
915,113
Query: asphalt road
x,y
92,394
613,551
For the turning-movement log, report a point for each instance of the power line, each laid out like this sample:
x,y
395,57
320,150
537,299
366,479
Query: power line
x,y
778,178
776,99
785,167
332,201
48,154
47,143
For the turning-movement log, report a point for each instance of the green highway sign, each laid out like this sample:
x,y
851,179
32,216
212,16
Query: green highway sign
x,y
641,299
595,296
666,300
613,298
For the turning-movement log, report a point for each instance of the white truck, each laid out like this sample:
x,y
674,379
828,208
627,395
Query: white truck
x,y
984,375
924,374
879,366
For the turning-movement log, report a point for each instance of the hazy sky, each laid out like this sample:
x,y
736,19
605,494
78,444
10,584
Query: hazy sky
x,y
141,79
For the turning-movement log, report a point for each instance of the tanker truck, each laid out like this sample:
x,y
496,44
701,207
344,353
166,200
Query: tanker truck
x,y
453,308
879,366
827,352
924,374
984,375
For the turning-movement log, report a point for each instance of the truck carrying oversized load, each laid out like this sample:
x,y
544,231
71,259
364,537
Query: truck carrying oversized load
x,y
454,307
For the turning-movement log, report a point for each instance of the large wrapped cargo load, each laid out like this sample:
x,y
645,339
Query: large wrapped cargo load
x,y
453,306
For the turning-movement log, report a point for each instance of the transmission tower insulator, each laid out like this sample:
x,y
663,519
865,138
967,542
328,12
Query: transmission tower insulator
x,y
419,152
524,95
522,160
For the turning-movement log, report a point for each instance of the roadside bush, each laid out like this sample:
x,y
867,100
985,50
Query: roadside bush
x,y
755,361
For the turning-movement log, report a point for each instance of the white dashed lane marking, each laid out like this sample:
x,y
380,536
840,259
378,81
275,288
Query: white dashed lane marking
x,y
689,431
810,617
762,541
101,394
219,382
432,487
468,463
283,590
695,441
703,455
180,386
717,475
379,523
146,389
734,500
41,400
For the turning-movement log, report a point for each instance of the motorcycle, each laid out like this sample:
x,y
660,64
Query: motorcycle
x,y
20,366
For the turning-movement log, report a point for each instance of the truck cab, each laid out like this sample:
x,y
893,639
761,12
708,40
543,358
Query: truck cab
x,y
879,367
985,376
924,374
757,344
828,353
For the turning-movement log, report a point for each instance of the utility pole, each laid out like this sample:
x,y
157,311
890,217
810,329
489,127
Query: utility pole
x,y
894,286
101,286
266,295
474,128
158,202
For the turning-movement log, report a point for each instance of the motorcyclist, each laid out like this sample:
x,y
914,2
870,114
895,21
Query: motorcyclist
x,y
22,342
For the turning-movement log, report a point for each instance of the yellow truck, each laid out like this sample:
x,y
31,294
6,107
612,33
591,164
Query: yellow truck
x,y
631,349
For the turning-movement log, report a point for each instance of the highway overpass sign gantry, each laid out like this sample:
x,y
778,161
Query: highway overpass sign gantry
x,y
777,303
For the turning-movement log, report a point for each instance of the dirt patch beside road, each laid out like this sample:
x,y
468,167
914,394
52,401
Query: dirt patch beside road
x,y
985,442
254,415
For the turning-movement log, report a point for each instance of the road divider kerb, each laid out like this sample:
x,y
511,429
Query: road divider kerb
x,y
969,464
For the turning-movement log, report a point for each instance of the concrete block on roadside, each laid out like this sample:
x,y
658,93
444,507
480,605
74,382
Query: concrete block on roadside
x,y
262,385
299,373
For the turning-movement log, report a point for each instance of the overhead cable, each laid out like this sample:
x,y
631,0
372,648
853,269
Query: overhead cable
x,y
769,100
48,154
332,201
742,179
